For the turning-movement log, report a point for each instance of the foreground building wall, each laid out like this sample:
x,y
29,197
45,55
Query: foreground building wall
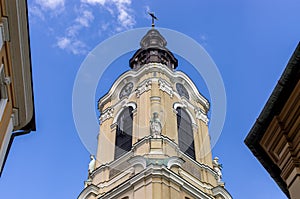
x,y
275,137
16,95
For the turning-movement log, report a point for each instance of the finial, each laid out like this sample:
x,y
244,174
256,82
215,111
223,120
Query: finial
x,y
153,17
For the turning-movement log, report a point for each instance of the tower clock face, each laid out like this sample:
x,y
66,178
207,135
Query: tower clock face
x,y
182,90
126,90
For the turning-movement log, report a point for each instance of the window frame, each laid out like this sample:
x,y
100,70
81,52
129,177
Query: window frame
x,y
3,91
124,130
185,133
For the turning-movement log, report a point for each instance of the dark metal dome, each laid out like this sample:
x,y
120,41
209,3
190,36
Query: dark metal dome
x,y
153,50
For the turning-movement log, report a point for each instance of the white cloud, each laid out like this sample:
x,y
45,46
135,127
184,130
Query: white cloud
x,y
72,45
85,18
72,31
63,42
51,4
70,41
94,2
36,11
124,18
118,16
121,9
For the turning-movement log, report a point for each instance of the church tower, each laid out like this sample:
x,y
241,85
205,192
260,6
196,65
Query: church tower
x,y
153,141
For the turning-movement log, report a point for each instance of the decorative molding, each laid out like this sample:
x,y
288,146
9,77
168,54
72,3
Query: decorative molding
x,y
143,87
219,190
126,90
138,160
91,189
174,161
155,99
108,113
151,170
178,105
184,105
131,104
200,114
113,164
157,171
146,139
134,76
164,86
124,105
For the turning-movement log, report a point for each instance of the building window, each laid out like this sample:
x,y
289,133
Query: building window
x,y
1,36
4,33
124,132
185,133
3,91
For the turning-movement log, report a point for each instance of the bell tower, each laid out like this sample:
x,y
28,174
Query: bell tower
x,y
153,141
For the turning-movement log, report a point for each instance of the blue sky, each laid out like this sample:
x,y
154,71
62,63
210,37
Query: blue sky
x,y
250,42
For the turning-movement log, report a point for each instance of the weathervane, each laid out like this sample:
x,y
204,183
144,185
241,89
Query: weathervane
x,y
153,17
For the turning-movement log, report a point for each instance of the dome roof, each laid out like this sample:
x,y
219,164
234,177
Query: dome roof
x,y
153,50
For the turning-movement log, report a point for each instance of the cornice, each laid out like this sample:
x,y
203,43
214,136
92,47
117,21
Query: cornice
x,y
157,171
219,190
91,189
131,154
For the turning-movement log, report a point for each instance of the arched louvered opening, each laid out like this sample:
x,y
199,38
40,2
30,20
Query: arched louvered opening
x,y
124,132
185,133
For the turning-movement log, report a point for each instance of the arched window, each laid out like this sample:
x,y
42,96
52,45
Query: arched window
x,y
185,133
124,132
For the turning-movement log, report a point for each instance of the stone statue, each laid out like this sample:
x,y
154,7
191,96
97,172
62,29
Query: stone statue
x,y
218,168
155,126
91,169
92,164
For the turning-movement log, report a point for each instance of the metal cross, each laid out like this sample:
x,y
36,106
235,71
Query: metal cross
x,y
153,17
